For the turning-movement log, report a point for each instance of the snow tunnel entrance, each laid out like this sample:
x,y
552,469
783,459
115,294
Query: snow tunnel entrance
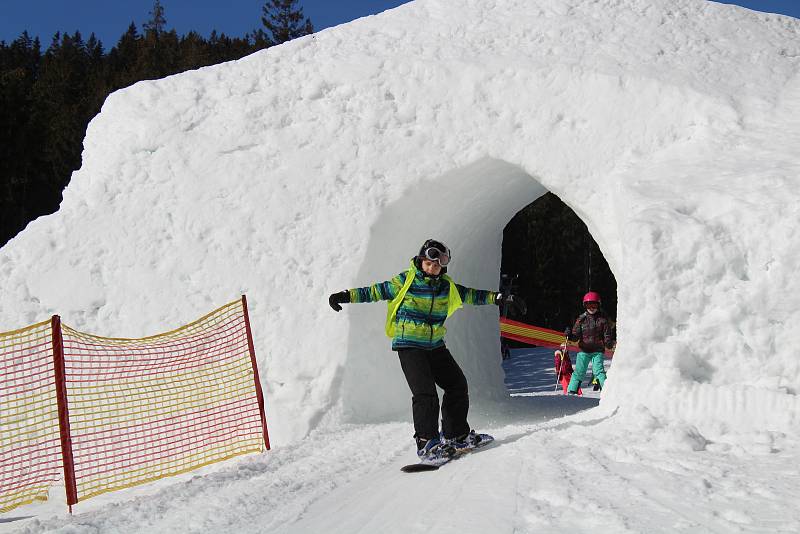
x,y
468,209
551,259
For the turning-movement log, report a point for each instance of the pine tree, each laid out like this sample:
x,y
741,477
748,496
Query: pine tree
x,y
20,134
158,57
123,58
157,21
284,21
60,91
194,51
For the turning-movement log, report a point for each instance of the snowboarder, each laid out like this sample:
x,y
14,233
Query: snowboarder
x,y
592,331
420,300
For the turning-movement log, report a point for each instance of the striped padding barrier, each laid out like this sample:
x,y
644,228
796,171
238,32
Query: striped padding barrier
x,y
536,335
130,411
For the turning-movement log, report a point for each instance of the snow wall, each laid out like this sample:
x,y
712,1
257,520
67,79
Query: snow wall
x,y
670,127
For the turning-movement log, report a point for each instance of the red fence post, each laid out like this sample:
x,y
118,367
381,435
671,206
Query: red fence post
x,y
63,412
259,393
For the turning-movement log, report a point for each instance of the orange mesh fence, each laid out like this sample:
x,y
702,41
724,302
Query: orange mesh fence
x,y
144,409
30,444
114,413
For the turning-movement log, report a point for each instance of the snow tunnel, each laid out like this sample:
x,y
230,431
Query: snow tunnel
x,y
323,163
467,208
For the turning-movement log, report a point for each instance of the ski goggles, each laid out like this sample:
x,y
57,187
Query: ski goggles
x,y
434,254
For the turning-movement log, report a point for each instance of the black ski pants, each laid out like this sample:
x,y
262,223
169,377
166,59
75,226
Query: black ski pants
x,y
424,370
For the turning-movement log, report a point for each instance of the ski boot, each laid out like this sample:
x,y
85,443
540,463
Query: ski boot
x,y
469,441
434,451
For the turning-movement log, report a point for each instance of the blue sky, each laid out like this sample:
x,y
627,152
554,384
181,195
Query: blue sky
x,y
109,19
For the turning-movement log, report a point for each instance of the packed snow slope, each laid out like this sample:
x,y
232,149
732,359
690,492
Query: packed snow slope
x,y
671,127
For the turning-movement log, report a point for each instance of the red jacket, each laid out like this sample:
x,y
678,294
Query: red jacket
x,y
564,370
563,367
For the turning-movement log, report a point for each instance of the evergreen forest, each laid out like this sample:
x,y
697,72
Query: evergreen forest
x,y
49,95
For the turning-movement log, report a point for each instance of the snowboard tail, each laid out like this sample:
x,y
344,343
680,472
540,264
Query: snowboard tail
x,y
420,467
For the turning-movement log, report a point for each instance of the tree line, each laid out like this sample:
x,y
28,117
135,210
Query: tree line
x,y
48,97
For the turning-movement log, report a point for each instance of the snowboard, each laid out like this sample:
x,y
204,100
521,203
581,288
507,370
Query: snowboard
x,y
434,464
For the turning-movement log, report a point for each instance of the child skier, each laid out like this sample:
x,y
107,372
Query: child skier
x,y
563,366
420,300
592,331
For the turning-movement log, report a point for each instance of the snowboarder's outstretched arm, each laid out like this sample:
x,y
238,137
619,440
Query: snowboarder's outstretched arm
x,y
381,291
479,297
476,297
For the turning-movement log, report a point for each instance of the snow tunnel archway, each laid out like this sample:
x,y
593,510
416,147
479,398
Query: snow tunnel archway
x,y
467,208
552,260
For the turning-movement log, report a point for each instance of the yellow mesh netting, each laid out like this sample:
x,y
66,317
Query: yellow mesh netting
x,y
144,409
30,443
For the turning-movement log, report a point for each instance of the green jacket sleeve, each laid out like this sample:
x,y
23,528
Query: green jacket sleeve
x,y
381,291
476,297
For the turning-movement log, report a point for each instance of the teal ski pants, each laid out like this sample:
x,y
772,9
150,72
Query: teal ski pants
x,y
582,363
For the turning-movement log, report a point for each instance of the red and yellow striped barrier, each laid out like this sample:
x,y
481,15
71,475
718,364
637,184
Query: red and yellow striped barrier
x,y
536,335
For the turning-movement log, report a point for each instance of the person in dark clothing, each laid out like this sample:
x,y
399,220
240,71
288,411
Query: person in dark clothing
x,y
424,370
420,300
592,331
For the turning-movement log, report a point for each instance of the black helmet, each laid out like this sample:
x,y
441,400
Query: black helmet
x,y
435,251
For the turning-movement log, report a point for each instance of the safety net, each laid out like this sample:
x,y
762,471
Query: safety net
x,y
101,414
30,443
144,409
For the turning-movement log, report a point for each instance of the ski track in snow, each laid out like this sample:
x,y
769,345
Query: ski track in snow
x,y
582,473
252,494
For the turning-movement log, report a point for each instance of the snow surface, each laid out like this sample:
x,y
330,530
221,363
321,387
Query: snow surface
x,y
671,127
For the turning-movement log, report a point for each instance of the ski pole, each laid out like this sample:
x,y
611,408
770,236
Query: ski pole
x,y
558,375
561,363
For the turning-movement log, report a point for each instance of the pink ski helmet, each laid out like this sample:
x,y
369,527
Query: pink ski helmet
x,y
591,296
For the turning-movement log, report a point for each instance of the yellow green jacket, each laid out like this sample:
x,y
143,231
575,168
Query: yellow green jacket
x,y
417,320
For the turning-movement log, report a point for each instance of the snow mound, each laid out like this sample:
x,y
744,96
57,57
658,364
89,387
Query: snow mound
x,y
670,126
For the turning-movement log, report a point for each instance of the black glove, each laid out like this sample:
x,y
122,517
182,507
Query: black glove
x,y
342,297
514,300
